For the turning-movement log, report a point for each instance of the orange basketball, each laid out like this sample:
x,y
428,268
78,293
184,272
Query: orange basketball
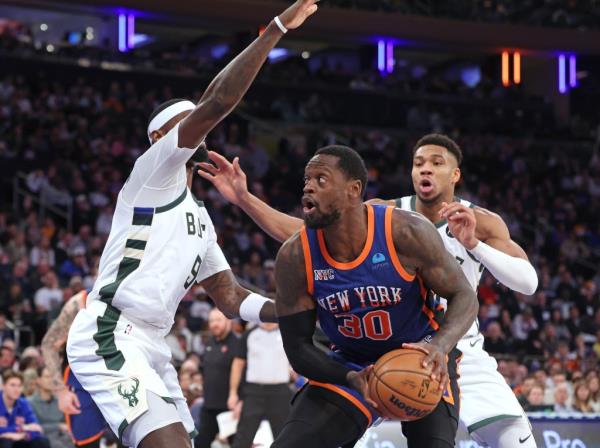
x,y
401,387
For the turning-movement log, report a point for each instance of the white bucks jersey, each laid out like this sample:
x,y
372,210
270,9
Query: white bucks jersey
x,y
155,254
469,264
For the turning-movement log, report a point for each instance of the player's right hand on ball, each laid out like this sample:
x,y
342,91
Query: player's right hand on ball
x,y
360,381
436,360
296,14
68,403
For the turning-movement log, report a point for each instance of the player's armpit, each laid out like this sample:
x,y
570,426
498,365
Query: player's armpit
x,y
417,240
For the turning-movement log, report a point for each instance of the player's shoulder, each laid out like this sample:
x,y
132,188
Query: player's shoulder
x,y
378,201
292,249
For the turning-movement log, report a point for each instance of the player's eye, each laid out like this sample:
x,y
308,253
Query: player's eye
x,y
322,179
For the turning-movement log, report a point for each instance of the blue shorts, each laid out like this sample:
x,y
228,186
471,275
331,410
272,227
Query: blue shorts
x,y
90,425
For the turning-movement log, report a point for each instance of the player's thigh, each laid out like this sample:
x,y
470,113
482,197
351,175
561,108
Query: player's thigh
x,y
436,430
321,418
173,435
506,433
169,376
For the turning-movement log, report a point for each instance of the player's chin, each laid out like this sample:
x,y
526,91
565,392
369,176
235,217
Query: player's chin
x,y
313,220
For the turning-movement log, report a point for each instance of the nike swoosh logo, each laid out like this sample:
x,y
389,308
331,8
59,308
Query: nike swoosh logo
x,y
525,439
474,343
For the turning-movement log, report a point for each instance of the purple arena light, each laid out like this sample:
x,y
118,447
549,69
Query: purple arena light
x,y
122,33
130,31
562,75
381,55
389,59
572,71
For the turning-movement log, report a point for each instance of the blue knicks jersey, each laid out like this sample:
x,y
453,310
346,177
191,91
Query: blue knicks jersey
x,y
371,305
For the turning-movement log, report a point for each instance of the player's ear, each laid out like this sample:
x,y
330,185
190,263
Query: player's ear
x,y
456,175
156,135
355,189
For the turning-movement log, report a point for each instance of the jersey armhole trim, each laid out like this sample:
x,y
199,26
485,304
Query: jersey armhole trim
x,y
307,261
389,239
173,204
364,253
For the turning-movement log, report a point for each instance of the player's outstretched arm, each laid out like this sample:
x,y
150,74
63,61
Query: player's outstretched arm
x,y
52,344
230,85
417,240
487,237
230,180
235,301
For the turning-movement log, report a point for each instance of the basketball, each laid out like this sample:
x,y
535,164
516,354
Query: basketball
x,y
401,387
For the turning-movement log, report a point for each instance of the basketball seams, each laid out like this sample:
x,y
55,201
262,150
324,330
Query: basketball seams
x,y
400,393
384,360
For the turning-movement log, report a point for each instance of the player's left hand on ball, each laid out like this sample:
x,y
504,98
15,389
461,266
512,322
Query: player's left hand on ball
x,y
360,381
296,14
436,360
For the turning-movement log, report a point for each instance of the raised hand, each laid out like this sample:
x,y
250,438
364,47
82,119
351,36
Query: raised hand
x,y
228,178
461,222
296,14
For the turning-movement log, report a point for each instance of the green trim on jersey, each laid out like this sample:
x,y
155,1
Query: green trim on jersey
x,y
171,205
488,421
135,244
199,202
398,203
122,427
126,267
413,207
169,400
105,338
193,434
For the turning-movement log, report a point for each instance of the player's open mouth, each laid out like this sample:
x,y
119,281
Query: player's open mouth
x,y
426,186
308,205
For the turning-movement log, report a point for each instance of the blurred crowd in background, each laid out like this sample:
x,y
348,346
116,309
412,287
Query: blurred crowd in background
x,y
67,144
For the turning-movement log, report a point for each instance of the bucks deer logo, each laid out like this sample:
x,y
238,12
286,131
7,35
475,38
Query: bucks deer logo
x,y
129,391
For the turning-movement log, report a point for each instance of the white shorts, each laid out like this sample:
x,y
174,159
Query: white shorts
x,y
118,362
485,396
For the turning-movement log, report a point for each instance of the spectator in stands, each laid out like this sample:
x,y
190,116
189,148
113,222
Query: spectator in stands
x,y
6,332
19,427
561,398
7,356
42,251
593,384
49,296
535,400
75,265
581,398
495,340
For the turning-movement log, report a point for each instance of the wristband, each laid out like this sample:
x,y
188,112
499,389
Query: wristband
x,y
251,306
280,25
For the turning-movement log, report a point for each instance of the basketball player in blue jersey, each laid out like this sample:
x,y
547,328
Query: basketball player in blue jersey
x,y
476,237
365,272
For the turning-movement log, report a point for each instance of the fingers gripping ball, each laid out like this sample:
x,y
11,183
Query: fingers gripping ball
x,y
402,387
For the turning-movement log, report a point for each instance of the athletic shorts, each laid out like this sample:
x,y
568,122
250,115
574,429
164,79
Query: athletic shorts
x,y
485,396
118,362
89,425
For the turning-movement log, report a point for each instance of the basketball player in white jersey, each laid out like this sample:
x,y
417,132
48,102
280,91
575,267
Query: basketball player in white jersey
x,y
477,238
162,241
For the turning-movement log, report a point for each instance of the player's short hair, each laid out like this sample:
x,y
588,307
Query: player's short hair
x,y
441,140
350,162
10,374
162,107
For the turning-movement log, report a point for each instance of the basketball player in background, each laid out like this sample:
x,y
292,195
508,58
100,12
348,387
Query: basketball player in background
x,y
162,241
83,417
476,237
365,272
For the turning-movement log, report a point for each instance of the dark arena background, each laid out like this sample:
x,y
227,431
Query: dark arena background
x,y
515,83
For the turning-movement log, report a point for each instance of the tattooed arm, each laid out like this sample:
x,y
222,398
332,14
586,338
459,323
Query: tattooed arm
x,y
230,85
418,242
52,345
224,289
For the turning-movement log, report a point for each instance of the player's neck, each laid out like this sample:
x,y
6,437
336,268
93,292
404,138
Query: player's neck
x,y
431,210
346,238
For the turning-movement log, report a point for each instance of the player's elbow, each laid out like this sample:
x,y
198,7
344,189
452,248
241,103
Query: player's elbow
x,y
529,280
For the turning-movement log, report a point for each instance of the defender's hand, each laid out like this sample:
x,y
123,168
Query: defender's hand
x,y
461,222
436,360
228,178
296,14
